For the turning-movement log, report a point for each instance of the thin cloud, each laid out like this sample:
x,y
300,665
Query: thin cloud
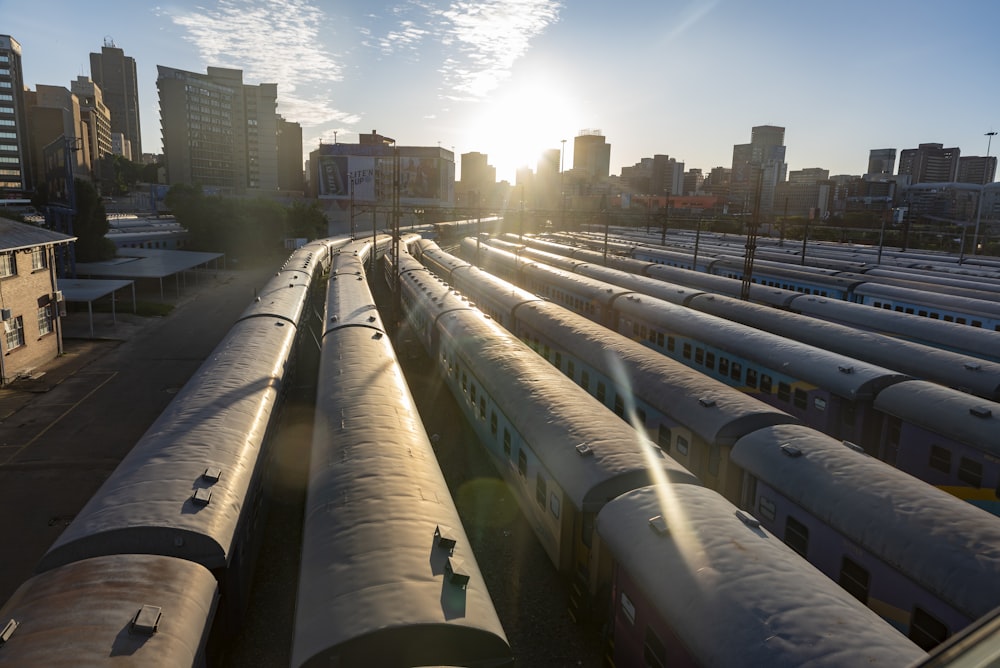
x,y
272,42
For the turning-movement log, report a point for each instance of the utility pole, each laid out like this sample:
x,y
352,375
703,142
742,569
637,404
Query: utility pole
x,y
751,244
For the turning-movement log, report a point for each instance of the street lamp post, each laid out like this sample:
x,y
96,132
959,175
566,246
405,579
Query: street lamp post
x,y
979,202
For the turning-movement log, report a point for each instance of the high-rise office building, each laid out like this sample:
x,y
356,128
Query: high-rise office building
x,y
114,73
977,169
290,175
218,132
54,116
761,161
15,154
930,163
881,161
96,116
591,155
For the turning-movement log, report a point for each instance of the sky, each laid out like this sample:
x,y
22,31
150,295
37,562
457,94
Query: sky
x,y
512,78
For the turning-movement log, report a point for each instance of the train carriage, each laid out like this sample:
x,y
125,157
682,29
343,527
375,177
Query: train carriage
x,y
387,575
947,438
686,573
119,609
978,313
922,559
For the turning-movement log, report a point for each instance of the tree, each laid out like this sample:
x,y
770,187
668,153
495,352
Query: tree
x,y
90,224
306,220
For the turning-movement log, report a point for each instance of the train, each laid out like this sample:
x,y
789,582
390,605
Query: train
x,y
710,428
387,575
976,308
190,492
573,467
834,394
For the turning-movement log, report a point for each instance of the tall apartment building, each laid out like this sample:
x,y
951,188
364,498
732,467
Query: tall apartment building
x,y
114,73
881,161
96,116
763,161
15,154
930,163
290,175
477,176
54,116
217,131
591,155
977,169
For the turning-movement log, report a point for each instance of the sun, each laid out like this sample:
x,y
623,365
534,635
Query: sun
x,y
522,121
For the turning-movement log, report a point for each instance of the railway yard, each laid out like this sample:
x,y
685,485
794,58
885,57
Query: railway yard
x,y
795,441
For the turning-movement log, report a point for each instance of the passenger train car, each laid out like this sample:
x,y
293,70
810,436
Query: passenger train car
x,y
387,576
841,403
189,491
700,423
568,462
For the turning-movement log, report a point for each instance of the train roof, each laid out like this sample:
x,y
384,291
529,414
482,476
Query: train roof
x,y
711,409
926,534
591,453
373,584
956,370
349,301
839,374
181,489
965,418
284,295
973,340
985,307
85,613
709,572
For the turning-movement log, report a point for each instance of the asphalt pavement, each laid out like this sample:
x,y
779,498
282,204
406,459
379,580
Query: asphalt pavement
x,y
65,430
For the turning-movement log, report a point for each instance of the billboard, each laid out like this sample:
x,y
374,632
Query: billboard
x,y
425,177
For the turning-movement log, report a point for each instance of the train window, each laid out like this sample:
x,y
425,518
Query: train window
x,y
801,399
682,446
493,423
977,323
545,348
506,442
540,490
663,438
671,343
640,416
554,505
659,339
949,318
940,459
752,377
887,307
482,408
854,578
899,309
699,355
797,536
970,472
601,391
894,429
585,380
736,371
926,631
765,508
922,313
642,332
465,381
571,370
723,366
558,361
653,650
635,329
522,463
765,383
619,406
473,394
909,309
710,360
784,391
960,321
687,351
652,335
935,316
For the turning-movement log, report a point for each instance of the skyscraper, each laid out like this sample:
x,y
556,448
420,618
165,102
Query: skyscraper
x,y
930,163
114,73
218,132
977,169
15,154
591,155
881,161
763,160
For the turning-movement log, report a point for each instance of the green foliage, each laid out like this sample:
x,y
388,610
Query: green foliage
x,y
90,225
241,228
306,220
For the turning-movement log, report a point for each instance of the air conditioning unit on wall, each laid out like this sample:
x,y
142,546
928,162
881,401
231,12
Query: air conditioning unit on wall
x,y
5,314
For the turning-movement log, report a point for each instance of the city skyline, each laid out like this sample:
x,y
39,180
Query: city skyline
x,y
512,79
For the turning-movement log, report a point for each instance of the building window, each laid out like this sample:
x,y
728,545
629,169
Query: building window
x,y
38,258
45,320
14,331
854,578
8,265
797,536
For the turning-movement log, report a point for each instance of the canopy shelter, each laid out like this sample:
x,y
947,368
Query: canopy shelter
x,y
136,263
89,291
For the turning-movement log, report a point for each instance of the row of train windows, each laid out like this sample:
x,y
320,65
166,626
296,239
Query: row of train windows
x,y
969,470
933,315
925,630
572,301
726,367
794,288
